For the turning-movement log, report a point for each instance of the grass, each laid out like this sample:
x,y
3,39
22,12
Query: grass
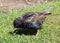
x,y
50,32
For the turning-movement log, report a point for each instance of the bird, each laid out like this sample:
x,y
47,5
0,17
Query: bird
x,y
31,20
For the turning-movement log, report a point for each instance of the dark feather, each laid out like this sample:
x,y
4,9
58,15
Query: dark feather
x,y
31,20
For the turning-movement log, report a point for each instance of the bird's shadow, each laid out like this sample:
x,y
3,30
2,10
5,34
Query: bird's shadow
x,y
24,31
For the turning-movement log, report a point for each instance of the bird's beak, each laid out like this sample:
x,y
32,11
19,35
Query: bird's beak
x,y
14,30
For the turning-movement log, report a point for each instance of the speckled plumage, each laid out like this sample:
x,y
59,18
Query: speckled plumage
x,y
31,20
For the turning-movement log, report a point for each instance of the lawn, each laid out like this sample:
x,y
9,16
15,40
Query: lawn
x,y
50,32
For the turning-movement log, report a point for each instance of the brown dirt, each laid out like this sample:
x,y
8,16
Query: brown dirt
x,y
10,4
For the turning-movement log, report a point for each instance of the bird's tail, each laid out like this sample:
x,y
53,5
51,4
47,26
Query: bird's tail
x,y
48,9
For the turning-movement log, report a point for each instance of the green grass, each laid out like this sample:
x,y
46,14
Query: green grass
x,y
50,32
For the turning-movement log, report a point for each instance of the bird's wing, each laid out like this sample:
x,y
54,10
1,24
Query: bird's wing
x,y
29,16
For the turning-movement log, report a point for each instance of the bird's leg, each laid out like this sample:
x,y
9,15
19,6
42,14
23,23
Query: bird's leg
x,y
37,32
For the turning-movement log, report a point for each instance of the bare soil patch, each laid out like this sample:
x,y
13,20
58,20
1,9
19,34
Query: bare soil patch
x,y
5,5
